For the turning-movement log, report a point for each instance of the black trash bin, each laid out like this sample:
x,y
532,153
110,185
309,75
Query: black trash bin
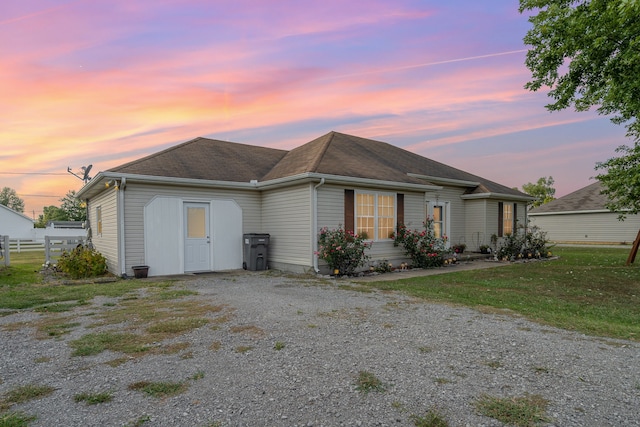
x,y
256,248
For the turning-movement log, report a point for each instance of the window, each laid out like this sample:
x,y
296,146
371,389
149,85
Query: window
x,y
439,213
375,215
507,217
99,220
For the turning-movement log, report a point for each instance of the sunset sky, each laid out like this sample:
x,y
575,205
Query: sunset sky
x,y
104,82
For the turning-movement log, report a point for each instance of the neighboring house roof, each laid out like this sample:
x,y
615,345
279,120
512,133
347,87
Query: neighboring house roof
x,y
588,198
334,154
18,214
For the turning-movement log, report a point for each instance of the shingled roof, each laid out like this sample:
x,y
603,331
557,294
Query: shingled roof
x,y
208,159
588,198
334,154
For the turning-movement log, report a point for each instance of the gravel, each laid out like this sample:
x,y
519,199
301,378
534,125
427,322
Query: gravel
x,y
429,356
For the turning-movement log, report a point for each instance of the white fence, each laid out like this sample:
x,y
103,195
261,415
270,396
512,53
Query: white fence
x,y
53,246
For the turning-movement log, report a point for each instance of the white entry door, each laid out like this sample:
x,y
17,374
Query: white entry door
x,y
197,244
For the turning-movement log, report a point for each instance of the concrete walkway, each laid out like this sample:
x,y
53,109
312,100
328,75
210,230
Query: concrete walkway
x,y
418,272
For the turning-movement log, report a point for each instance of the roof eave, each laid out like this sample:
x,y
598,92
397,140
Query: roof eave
x,y
97,184
347,180
447,181
501,196
585,211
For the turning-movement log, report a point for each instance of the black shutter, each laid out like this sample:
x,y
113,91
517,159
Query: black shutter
x,y
500,218
400,211
515,218
349,208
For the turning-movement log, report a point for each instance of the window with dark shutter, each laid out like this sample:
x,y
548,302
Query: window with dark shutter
x,y
400,212
500,218
349,208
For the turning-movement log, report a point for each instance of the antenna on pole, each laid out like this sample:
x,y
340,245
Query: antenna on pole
x,y
84,175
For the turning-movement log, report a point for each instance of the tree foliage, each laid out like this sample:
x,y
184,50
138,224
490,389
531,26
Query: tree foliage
x,y
10,199
542,190
71,209
588,53
621,182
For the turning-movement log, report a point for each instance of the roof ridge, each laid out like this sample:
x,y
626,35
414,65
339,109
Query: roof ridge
x,y
151,156
319,157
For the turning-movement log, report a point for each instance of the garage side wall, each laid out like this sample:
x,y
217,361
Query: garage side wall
x,y
137,196
286,217
105,240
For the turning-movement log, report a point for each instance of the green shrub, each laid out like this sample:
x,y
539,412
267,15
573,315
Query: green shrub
x,y
521,245
423,247
82,262
342,250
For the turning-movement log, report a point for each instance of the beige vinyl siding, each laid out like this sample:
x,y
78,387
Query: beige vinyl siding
x,y
107,242
138,195
595,227
286,217
476,224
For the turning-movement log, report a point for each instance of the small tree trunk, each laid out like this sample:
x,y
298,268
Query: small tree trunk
x,y
634,250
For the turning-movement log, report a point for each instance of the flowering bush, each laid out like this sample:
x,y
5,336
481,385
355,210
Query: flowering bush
x,y
530,244
343,250
82,262
423,247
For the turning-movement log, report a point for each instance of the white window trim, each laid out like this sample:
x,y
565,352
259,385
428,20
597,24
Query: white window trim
x,y
375,194
446,207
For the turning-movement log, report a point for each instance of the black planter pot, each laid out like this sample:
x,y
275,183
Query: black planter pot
x,y
140,271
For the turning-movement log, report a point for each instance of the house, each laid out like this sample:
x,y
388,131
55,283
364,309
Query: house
x,y
14,224
185,209
582,217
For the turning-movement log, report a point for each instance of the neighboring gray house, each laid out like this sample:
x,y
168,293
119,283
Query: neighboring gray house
x,y
581,217
185,209
14,224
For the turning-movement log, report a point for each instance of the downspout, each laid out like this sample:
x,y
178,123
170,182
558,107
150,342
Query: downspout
x,y
314,231
121,243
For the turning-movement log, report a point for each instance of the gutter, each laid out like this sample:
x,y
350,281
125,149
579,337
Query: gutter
x,y
314,230
122,259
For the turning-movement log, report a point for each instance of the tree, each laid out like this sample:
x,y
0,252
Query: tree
x,y
71,209
588,53
10,199
621,182
74,207
542,190
51,213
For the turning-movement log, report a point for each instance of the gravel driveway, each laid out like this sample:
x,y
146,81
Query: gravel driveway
x,y
427,355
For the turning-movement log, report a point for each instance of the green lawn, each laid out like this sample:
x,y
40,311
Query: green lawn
x,y
21,285
588,290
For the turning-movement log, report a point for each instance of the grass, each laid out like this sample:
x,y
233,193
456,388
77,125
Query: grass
x,y
22,394
366,382
21,287
431,419
96,343
524,411
159,389
587,289
24,268
279,345
15,419
93,398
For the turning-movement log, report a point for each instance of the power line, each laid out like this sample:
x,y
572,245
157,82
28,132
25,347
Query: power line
x,y
36,195
32,173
